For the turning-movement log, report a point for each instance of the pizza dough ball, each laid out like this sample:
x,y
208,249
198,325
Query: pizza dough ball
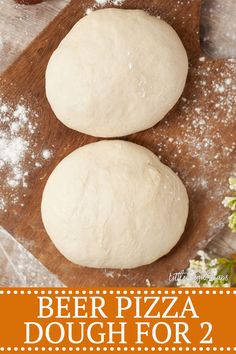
x,y
117,72
113,204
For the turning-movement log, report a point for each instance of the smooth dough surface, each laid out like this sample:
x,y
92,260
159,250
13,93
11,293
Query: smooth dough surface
x,y
116,72
113,204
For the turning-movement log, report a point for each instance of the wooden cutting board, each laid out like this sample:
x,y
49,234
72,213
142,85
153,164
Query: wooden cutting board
x,y
196,139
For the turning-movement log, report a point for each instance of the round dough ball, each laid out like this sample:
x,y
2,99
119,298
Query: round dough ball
x,y
117,72
113,204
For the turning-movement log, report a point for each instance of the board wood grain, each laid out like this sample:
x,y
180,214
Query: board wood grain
x,y
26,78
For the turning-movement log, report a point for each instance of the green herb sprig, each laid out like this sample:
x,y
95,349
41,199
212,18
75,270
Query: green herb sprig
x,y
209,272
230,202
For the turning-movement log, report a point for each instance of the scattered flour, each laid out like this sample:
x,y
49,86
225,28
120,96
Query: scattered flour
x,y
202,59
228,81
18,125
219,88
103,3
202,118
46,154
106,2
88,11
109,274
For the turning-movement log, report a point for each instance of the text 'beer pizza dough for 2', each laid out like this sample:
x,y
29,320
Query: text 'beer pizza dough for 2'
x,y
117,72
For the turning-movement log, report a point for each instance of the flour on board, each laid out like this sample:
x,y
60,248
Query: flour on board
x,y
102,3
211,104
17,150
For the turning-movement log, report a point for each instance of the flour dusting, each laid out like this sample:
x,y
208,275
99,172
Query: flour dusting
x,y
46,154
17,144
102,3
203,118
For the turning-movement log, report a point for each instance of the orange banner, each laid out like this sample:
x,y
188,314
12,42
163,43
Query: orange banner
x,y
124,320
